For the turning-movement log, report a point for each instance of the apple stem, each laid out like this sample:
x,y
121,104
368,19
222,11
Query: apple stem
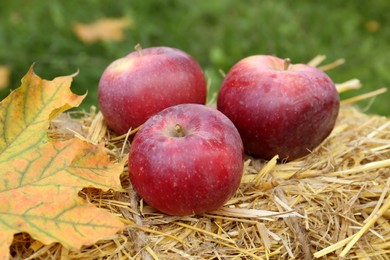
x,y
179,130
287,63
138,48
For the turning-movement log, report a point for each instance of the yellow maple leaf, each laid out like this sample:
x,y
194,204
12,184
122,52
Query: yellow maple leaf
x,y
40,178
5,73
102,29
372,26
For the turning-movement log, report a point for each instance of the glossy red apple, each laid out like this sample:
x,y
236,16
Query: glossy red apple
x,y
139,85
187,159
277,107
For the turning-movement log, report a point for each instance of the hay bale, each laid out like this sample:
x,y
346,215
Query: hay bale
x,y
334,202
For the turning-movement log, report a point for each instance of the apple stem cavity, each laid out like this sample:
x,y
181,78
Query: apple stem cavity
x,y
179,132
287,63
138,48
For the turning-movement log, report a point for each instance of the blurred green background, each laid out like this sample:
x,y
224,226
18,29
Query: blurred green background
x,y
216,33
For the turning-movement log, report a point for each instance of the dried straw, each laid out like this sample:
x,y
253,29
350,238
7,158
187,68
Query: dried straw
x,y
330,204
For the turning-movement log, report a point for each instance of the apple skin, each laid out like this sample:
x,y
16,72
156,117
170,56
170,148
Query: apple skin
x,y
139,85
186,175
281,111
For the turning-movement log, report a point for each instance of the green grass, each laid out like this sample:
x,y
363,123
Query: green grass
x,y
216,33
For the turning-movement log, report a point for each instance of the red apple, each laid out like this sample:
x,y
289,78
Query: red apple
x,y
139,85
187,159
277,107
